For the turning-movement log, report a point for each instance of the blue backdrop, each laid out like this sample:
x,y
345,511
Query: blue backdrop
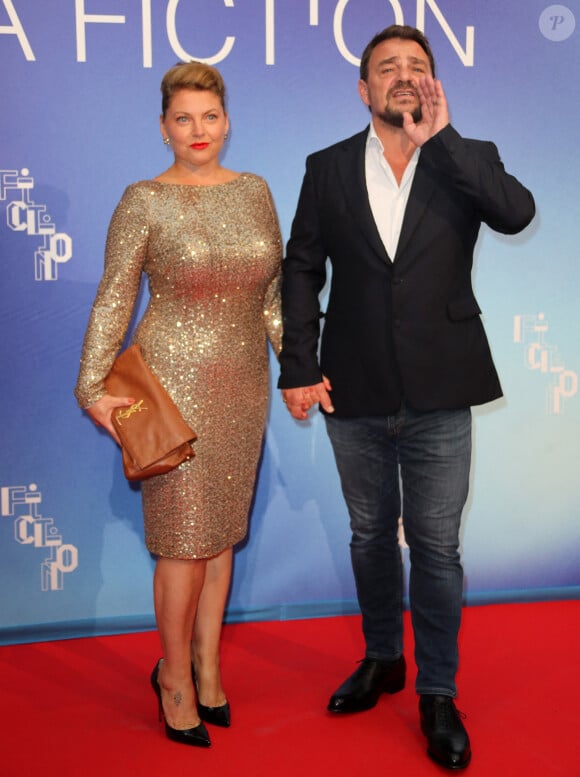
x,y
79,121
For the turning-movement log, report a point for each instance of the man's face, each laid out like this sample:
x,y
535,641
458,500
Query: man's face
x,y
395,67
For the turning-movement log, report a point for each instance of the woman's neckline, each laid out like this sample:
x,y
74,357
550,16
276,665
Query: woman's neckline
x,y
198,185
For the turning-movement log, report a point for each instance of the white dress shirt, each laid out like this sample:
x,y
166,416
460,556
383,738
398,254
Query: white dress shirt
x,y
387,199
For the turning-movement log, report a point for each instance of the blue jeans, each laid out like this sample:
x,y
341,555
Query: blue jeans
x,y
425,458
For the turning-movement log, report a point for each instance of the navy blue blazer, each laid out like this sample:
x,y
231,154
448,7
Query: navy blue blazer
x,y
405,327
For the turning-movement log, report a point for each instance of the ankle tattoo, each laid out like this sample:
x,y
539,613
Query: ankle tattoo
x,y
177,698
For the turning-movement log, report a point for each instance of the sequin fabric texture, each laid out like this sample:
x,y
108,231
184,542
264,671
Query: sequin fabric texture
x,y
212,255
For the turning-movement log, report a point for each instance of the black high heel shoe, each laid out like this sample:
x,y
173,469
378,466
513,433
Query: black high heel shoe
x,y
217,716
197,736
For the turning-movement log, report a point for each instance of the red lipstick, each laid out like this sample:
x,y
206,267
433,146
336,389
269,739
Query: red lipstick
x,y
199,146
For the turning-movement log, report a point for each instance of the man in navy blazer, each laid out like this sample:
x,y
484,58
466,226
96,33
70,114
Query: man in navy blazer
x,y
403,356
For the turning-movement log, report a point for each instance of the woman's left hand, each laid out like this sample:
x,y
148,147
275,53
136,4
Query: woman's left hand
x,y
101,412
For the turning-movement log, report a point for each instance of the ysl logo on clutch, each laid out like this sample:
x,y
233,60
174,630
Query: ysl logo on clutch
x,y
127,412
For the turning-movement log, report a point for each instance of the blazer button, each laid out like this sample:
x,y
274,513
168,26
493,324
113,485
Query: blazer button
x,y
397,281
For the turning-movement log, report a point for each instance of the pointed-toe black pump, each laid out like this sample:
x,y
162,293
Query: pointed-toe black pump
x,y
217,716
196,736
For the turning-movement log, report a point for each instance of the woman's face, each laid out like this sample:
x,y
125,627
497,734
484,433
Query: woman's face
x,y
196,124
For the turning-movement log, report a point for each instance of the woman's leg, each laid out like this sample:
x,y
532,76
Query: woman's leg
x,y
177,587
207,629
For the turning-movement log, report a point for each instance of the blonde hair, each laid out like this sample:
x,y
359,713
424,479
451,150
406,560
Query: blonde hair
x,y
196,76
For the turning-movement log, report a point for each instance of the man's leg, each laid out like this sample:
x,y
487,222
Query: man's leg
x,y
368,469
435,457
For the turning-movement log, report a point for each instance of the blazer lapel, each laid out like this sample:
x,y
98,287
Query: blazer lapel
x,y
421,192
351,170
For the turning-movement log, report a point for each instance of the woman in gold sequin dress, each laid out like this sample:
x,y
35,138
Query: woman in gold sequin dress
x,y
209,242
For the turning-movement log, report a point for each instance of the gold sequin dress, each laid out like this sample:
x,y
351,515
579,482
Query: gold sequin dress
x,y
212,255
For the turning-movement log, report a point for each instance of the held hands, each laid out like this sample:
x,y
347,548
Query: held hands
x,y
300,400
102,410
435,114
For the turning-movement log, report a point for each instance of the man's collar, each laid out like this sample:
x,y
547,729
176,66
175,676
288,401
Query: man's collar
x,y
373,140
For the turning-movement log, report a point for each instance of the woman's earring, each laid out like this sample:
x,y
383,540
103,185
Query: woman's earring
x,y
226,136
166,141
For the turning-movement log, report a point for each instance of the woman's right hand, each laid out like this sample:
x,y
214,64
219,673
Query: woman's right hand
x,y
101,412
300,400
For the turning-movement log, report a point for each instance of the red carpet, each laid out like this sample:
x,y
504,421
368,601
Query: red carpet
x,y
85,706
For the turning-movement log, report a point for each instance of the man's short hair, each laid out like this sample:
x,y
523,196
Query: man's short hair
x,y
395,31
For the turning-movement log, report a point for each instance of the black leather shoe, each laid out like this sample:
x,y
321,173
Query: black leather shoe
x,y
217,716
447,740
196,736
362,689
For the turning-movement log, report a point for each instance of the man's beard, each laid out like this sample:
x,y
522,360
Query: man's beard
x,y
395,118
